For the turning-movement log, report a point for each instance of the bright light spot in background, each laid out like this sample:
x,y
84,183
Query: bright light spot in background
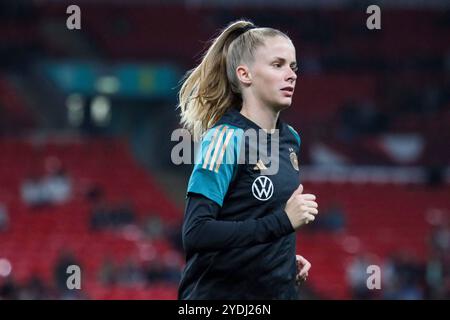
x,y
5,267
107,85
75,109
101,110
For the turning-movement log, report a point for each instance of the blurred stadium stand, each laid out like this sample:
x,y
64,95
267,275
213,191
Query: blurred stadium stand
x,y
372,107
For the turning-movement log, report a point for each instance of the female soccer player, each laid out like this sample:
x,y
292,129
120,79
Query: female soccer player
x,y
241,216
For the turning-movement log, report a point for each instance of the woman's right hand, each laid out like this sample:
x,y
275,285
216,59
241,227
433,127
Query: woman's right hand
x,y
301,208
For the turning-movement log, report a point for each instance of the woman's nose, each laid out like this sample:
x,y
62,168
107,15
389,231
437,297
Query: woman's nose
x,y
292,76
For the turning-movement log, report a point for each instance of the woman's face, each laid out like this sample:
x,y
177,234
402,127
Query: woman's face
x,y
273,74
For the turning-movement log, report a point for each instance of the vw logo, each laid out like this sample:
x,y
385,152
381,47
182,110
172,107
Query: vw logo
x,y
262,188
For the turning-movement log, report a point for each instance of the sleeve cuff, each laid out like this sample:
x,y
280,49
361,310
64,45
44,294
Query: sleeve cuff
x,y
284,221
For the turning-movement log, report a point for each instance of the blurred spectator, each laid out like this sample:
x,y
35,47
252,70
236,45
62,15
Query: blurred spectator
x,y
330,220
65,260
131,273
108,272
56,183
357,278
99,216
410,274
440,239
154,271
447,61
33,193
94,193
403,278
437,278
51,189
307,292
57,187
35,289
435,175
153,226
173,265
165,268
123,214
9,289
4,218
3,121
438,265
432,98
389,279
174,236
104,216
334,219
360,119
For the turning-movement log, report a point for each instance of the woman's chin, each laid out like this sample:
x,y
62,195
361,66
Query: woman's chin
x,y
284,104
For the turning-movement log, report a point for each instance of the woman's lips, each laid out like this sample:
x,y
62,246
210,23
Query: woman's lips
x,y
288,91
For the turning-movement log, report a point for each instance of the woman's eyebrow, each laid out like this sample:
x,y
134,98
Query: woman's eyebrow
x,y
280,59
292,64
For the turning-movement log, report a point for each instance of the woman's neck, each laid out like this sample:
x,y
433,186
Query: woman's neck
x,y
263,117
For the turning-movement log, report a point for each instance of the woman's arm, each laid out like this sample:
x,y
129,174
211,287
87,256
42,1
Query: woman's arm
x,y
203,232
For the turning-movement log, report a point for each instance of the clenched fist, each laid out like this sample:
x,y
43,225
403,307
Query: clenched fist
x,y
301,208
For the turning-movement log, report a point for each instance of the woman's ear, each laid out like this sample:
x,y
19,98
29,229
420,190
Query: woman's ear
x,y
244,75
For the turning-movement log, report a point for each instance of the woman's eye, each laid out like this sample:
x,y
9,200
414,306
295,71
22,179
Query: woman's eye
x,y
277,65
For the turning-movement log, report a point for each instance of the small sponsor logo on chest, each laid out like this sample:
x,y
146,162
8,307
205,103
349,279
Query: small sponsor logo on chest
x,y
262,188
